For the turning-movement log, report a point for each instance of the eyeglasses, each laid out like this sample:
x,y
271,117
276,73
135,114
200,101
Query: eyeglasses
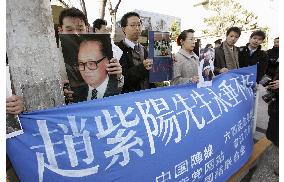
x,y
92,65
134,26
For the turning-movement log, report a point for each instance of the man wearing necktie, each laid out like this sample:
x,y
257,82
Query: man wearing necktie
x,y
93,64
134,60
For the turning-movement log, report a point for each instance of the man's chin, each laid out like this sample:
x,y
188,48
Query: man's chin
x,y
92,84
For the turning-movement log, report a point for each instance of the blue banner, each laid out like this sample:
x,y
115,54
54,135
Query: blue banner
x,y
177,133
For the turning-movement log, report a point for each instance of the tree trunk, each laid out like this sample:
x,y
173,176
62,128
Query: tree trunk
x,y
34,59
83,5
102,8
113,27
112,13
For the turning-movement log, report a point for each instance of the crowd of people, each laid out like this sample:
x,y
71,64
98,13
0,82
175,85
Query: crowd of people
x,y
132,69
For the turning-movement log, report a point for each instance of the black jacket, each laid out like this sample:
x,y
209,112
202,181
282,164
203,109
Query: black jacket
x,y
219,61
133,74
259,57
81,92
273,55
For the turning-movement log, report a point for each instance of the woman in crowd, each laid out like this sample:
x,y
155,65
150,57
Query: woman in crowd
x,y
185,68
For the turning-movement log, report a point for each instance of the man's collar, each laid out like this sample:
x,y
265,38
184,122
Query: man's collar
x,y
101,89
129,43
251,50
187,54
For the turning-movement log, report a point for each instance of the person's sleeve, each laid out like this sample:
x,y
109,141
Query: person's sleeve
x,y
120,83
217,66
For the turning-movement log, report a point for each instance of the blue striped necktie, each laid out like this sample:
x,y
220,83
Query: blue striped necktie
x,y
94,94
136,48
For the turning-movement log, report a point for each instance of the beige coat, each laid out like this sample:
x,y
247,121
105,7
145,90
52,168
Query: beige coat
x,y
185,67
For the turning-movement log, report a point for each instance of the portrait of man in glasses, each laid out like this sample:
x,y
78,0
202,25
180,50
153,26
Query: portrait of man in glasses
x,y
93,63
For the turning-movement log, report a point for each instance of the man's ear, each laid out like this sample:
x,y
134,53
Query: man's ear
x,y
123,29
181,42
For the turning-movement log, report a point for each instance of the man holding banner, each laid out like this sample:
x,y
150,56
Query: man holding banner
x,y
226,56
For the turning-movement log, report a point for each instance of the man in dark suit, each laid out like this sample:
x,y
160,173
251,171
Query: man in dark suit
x,y
251,54
226,56
134,62
93,67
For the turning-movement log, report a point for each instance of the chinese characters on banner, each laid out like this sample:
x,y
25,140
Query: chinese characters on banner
x,y
178,133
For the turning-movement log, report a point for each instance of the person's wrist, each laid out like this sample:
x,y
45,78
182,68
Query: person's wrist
x,y
120,78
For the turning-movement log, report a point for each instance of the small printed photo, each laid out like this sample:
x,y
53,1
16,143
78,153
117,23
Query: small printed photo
x,y
162,44
13,126
86,57
206,67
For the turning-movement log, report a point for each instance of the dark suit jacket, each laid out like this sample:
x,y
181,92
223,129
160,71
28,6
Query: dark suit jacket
x,y
259,57
133,74
220,61
81,93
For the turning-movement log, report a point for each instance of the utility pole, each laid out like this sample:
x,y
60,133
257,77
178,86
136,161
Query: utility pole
x,y
35,61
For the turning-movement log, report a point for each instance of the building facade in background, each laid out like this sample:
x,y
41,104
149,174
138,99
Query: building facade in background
x,y
150,21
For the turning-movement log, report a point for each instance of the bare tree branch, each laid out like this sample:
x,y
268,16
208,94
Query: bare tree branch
x,y
113,16
83,5
64,3
110,6
116,7
102,7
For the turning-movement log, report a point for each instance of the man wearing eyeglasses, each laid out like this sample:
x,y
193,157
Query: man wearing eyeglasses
x,y
93,67
134,62
73,21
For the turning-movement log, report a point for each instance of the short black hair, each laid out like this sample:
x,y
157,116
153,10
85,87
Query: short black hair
x,y
277,38
206,49
103,40
98,24
259,33
208,45
183,35
123,21
234,29
218,41
74,13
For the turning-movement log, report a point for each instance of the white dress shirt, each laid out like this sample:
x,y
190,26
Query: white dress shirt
x,y
101,89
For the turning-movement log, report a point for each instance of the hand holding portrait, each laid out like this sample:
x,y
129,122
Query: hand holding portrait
x,y
224,70
14,105
194,79
114,67
274,85
148,64
68,93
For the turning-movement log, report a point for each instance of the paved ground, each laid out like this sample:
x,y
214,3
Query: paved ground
x,y
268,163
262,116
